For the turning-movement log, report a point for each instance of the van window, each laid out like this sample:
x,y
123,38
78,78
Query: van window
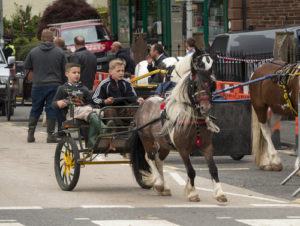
x,y
220,44
92,34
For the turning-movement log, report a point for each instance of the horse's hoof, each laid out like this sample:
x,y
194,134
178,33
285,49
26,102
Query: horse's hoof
x,y
194,198
166,192
222,198
266,167
159,188
277,167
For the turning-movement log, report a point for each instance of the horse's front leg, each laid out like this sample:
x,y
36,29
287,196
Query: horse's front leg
x,y
159,160
190,190
218,193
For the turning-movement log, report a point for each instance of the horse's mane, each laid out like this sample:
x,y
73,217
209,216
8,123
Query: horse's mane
x,y
177,108
182,68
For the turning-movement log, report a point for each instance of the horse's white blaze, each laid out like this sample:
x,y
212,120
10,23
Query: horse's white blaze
x,y
251,75
190,190
272,153
207,64
217,189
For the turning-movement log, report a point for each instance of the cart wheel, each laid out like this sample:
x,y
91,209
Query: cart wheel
x,y
237,157
7,100
66,166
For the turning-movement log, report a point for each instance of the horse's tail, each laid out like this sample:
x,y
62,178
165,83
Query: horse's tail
x,y
138,162
259,144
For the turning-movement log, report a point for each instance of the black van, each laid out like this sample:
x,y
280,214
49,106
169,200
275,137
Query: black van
x,y
237,55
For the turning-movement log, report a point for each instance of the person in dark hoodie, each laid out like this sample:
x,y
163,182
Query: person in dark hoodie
x,y
87,60
74,92
47,63
124,54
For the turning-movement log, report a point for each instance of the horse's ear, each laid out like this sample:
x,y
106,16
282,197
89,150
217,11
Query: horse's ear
x,y
199,51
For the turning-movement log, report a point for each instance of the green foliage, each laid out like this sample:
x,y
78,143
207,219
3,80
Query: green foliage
x,y
22,17
104,15
20,41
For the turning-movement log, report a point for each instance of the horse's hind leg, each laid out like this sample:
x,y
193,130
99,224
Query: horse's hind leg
x,y
267,130
189,190
159,160
213,170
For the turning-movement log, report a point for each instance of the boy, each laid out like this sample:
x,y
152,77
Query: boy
x,y
74,91
114,87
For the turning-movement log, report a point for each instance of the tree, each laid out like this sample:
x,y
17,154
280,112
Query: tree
x,y
67,11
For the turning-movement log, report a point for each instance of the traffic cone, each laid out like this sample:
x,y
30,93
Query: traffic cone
x,y
276,136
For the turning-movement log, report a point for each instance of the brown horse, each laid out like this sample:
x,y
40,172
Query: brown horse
x,y
181,123
268,94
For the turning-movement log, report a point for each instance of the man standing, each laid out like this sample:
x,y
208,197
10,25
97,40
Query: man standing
x,y
124,54
87,60
8,49
157,55
47,63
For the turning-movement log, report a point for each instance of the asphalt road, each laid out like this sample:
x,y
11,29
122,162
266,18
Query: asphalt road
x,y
109,195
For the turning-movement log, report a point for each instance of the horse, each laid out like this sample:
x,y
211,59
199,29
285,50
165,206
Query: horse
x,y
269,94
181,122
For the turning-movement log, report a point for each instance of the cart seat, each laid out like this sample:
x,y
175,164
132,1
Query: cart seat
x,y
74,123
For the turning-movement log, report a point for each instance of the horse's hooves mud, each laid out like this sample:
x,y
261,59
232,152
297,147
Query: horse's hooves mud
x,y
222,199
194,198
166,192
271,167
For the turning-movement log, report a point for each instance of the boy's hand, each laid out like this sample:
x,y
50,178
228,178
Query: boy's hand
x,y
62,103
149,59
140,100
109,100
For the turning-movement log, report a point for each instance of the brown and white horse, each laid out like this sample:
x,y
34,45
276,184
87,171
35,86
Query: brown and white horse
x,y
183,124
268,94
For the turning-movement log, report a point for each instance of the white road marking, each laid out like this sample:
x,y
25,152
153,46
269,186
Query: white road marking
x,y
177,178
293,217
11,224
20,208
81,219
181,181
134,223
7,220
105,206
276,205
192,206
224,217
270,222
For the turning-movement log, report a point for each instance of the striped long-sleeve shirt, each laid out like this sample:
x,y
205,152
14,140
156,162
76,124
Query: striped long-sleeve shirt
x,y
109,88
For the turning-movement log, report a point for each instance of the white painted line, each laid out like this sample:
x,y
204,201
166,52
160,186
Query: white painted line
x,y
293,217
134,223
8,220
276,205
105,206
20,208
82,219
191,206
177,178
244,196
224,217
180,181
11,224
270,222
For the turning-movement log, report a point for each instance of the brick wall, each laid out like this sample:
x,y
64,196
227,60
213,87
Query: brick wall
x,y
263,14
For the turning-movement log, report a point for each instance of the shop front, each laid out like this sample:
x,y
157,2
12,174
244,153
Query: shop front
x,y
164,21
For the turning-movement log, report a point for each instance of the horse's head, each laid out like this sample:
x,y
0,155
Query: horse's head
x,y
201,61
200,90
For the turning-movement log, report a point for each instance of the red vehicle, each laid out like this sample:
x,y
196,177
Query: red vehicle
x,y
97,37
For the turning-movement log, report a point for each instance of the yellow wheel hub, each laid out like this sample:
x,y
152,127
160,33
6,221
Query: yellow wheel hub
x,y
69,163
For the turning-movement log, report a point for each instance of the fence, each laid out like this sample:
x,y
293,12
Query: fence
x,y
238,66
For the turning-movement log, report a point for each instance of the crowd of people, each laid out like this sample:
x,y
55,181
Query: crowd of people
x,y
60,77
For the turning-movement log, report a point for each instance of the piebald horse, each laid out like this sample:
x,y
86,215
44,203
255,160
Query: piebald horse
x,y
269,94
180,122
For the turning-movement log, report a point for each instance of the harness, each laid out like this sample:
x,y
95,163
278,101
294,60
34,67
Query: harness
x,y
289,72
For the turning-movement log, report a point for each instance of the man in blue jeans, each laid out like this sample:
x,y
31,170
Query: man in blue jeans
x,y
47,63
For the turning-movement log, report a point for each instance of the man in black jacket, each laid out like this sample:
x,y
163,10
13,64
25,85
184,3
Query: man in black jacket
x,y
47,63
124,54
87,60
157,55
